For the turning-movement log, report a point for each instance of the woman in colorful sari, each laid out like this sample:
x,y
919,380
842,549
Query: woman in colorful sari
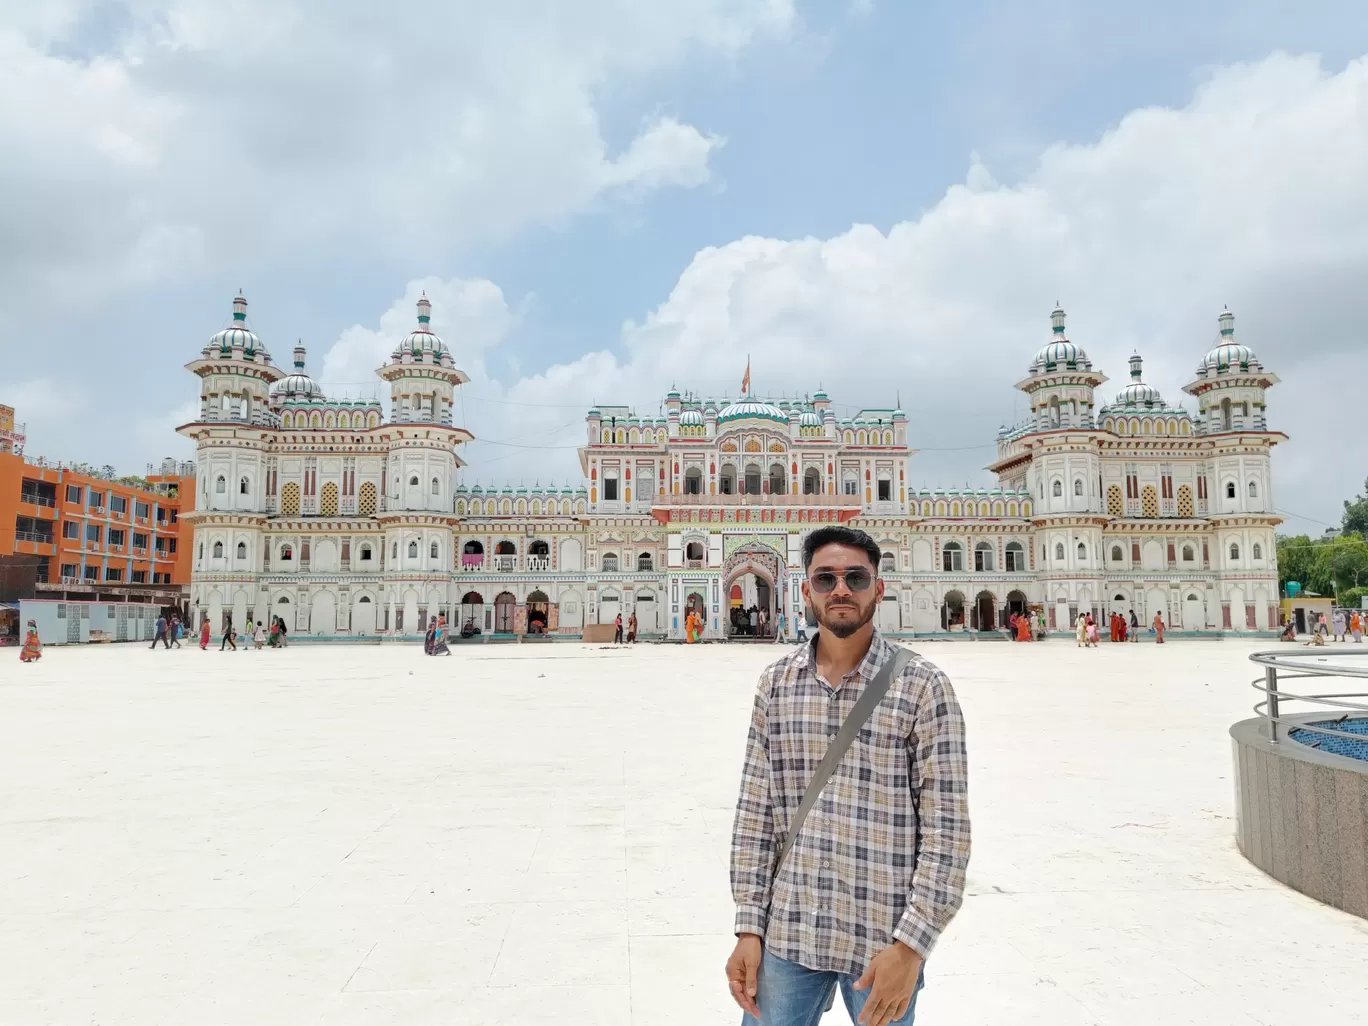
x,y
204,634
1023,628
33,648
430,638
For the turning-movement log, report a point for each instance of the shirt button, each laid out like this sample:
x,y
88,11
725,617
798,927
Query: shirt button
x,y
826,865
832,737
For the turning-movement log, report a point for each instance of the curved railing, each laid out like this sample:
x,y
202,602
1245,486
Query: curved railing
x,y
1280,667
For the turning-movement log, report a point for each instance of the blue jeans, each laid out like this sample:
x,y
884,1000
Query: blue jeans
x,y
793,995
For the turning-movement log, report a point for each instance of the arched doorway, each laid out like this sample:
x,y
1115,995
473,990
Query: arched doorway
x,y
323,613
646,613
984,617
610,605
952,611
538,612
472,614
1017,603
695,603
505,605
363,616
1194,617
282,610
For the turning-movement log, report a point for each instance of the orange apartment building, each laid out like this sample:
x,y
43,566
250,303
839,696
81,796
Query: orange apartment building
x,y
85,556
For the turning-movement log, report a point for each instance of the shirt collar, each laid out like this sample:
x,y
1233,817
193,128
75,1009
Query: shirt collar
x,y
864,670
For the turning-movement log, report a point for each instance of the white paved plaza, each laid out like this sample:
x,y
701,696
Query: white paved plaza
x,y
539,834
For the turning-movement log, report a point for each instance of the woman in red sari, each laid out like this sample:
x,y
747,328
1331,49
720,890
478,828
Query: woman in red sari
x,y
1023,628
33,648
204,634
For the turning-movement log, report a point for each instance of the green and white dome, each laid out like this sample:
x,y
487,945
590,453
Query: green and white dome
x,y
751,409
237,336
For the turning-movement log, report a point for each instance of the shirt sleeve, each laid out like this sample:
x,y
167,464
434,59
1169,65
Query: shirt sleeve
x,y
753,844
941,782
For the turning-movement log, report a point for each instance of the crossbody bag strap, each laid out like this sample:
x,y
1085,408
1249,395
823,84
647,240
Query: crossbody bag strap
x,y
864,706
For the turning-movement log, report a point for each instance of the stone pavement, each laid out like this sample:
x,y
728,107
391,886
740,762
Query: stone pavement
x,y
523,834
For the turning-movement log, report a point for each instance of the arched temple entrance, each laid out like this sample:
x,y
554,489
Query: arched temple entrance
x,y
952,611
984,615
752,586
505,605
538,612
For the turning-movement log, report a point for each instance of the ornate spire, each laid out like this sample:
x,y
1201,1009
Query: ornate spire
x,y
1135,367
424,310
1227,323
299,355
239,307
1057,321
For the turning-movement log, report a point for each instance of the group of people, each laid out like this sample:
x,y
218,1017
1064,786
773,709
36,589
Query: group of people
x,y
256,635
1086,630
631,629
168,631
434,641
1341,626
753,622
1024,626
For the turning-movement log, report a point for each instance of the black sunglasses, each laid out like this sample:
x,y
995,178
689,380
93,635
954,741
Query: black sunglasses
x,y
824,581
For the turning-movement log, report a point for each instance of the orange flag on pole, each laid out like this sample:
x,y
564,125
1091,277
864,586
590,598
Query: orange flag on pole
x,y
745,382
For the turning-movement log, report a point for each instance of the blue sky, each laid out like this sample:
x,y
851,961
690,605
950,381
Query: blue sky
x,y
616,197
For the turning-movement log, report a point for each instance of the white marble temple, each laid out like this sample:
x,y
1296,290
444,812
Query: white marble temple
x,y
524,834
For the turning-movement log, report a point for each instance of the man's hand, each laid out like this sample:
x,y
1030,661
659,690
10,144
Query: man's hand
x,y
892,983
742,969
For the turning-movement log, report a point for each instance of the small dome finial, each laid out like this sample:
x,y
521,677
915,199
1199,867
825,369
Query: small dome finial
x,y
1057,320
239,307
424,310
1227,322
299,355
1135,363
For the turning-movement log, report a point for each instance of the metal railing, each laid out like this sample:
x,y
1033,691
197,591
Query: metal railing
x,y
33,536
37,499
1279,667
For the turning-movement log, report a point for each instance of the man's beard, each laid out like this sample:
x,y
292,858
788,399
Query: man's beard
x,y
845,628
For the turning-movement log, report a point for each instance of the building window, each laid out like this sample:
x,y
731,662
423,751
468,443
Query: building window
x,y
1258,551
139,540
118,504
644,561
952,558
220,485
609,562
170,546
887,563
850,487
71,529
242,550
1188,554
693,482
812,481
286,553
243,487
116,536
141,509
432,551
1082,552
1253,490
92,573
96,500
1234,552
1016,557
610,489
1057,489
218,550
138,577
1230,489
93,532
983,557
885,490
413,550
113,574
436,487
1116,554
1059,551
365,553
413,481
73,493
70,570
1078,486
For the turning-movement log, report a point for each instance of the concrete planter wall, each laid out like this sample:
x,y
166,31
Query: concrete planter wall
x,y
1303,815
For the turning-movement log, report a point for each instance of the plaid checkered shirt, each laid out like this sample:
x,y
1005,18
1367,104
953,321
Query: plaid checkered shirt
x,y
883,853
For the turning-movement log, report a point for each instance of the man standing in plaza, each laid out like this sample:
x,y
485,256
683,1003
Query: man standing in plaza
x,y
865,885
161,631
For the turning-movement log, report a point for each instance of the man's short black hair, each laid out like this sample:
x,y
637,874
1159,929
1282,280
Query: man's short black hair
x,y
836,535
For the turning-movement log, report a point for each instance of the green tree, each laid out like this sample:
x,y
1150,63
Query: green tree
x,y
1306,561
1349,563
1356,513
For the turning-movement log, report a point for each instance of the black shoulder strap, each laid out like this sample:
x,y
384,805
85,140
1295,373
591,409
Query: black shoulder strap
x,y
845,737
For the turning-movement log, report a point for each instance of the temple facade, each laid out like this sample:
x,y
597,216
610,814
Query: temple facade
x,y
350,522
